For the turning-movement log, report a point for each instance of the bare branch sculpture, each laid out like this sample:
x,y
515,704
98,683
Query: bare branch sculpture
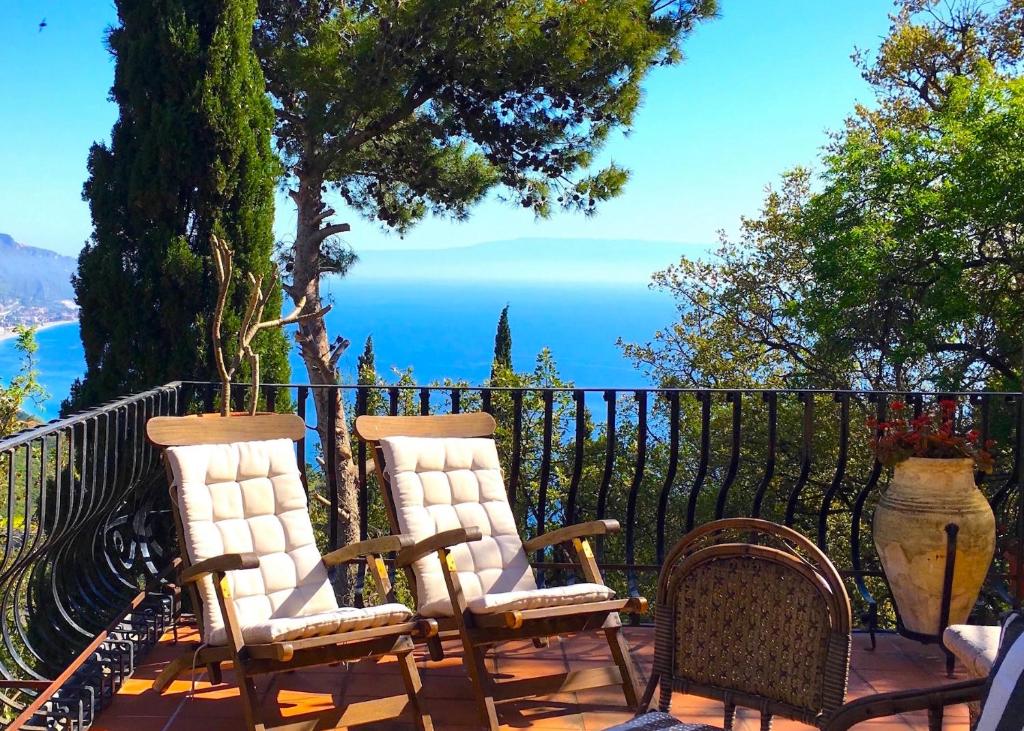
x,y
252,323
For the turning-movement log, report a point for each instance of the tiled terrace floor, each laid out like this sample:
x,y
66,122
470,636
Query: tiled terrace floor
x,y
896,664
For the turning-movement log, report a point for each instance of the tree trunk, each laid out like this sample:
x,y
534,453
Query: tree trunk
x,y
322,370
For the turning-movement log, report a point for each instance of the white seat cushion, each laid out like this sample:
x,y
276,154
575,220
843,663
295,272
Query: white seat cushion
x,y
248,498
346,619
554,596
440,484
973,645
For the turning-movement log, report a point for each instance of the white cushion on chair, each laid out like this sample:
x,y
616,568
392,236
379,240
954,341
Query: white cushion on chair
x,y
976,646
553,596
346,619
440,484
248,498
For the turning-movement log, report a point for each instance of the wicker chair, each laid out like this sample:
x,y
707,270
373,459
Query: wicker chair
x,y
752,614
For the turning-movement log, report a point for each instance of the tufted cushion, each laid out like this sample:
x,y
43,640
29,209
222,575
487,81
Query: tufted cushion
x,y
974,645
553,596
346,619
439,484
248,498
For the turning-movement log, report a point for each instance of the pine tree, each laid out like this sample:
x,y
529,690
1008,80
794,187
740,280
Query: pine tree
x,y
502,345
189,157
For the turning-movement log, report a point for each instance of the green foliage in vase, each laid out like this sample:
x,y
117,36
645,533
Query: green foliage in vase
x,y
189,157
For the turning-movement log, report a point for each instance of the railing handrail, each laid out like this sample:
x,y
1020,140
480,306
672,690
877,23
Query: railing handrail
x,y
32,433
617,389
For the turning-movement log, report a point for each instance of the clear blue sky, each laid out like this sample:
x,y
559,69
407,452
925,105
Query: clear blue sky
x,y
759,89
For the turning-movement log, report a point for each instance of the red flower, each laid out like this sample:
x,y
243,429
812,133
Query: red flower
x,y
933,434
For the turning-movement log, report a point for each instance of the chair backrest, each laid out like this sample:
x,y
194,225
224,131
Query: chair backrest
x,y
754,614
245,496
442,472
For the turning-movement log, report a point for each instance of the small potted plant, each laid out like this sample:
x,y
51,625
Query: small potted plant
x,y
932,491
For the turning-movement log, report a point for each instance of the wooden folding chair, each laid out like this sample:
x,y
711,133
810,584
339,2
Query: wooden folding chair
x,y
259,584
442,485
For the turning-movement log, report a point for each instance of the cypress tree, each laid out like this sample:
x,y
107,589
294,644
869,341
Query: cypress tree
x,y
189,156
502,344
366,364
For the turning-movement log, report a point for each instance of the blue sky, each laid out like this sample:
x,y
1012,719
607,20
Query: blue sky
x,y
759,89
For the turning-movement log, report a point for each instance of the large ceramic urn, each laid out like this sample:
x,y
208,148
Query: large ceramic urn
x,y
925,496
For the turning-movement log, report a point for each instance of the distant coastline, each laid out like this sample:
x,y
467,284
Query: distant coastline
x,y
9,333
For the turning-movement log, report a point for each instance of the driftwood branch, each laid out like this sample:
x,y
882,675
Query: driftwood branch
x,y
223,267
261,289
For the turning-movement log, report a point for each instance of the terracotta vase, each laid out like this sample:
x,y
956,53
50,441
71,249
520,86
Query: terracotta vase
x,y
909,529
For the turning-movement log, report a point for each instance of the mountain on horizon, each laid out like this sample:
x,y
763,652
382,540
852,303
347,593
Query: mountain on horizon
x,y
527,260
35,284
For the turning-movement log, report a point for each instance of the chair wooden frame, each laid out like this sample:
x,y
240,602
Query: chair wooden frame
x,y
249,660
479,631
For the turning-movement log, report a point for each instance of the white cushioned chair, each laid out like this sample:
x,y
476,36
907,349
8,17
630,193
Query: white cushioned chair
x,y
443,486
974,645
264,599
1001,695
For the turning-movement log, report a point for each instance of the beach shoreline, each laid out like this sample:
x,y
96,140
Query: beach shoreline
x,y
9,334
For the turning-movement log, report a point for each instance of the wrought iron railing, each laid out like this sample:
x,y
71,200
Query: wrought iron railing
x,y
83,536
86,526
664,460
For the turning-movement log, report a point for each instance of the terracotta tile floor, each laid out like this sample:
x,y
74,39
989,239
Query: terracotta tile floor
x,y
897,663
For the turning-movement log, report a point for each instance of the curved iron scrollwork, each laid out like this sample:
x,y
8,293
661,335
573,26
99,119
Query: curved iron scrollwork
x,y
81,532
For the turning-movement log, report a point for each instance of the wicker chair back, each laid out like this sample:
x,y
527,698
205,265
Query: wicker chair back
x,y
753,614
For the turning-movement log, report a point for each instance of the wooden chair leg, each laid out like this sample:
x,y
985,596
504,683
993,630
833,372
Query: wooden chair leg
x,y
652,685
250,701
481,680
173,669
624,661
414,688
435,648
216,677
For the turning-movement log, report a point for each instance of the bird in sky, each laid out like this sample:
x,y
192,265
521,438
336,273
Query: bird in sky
x,y
42,24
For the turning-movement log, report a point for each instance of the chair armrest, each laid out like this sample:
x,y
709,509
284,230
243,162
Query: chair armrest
x,y
220,564
369,547
902,701
435,543
569,532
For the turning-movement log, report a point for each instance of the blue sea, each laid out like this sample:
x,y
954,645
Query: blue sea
x,y
442,330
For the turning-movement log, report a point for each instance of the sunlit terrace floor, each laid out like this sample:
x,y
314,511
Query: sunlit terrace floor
x,y
896,664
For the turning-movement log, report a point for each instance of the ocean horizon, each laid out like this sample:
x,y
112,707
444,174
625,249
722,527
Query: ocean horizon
x,y
440,330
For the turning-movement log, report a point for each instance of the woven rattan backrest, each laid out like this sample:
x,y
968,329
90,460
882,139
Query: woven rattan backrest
x,y
753,614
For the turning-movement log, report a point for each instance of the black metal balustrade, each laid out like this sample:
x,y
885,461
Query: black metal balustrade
x,y
83,538
87,529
